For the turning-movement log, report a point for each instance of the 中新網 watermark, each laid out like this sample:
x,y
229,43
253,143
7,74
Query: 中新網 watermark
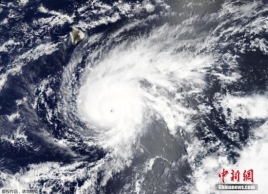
x,y
247,176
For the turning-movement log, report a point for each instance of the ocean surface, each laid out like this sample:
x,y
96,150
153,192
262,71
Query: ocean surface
x,y
136,97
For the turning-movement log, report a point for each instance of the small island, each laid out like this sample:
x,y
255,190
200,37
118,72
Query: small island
x,y
76,35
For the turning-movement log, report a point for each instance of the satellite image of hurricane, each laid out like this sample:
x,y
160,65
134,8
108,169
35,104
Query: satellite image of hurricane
x,y
133,97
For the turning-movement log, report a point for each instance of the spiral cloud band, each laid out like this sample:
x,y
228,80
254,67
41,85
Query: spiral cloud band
x,y
148,96
135,83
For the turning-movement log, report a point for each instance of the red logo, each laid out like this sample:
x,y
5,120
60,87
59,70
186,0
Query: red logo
x,y
223,174
248,175
235,175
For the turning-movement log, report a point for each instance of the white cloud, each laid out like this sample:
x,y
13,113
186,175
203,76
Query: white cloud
x,y
248,107
253,156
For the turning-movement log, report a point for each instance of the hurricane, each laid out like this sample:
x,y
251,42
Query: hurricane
x,y
121,95
148,96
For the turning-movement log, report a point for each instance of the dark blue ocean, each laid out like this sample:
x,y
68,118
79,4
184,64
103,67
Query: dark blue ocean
x,y
155,96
